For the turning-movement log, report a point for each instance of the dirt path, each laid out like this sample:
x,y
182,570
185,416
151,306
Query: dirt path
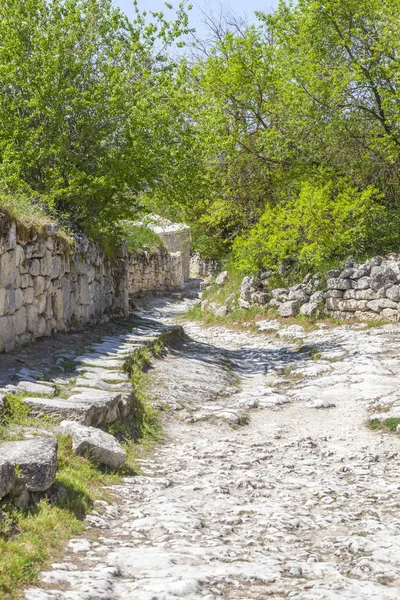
x,y
269,484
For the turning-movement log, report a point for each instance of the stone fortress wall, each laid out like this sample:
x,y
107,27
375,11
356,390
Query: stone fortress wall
x,y
51,283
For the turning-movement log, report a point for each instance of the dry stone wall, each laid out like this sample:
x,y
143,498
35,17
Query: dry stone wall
x,y
176,237
155,271
366,292
49,283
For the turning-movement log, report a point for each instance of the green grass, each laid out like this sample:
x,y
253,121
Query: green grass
x,y
389,424
140,237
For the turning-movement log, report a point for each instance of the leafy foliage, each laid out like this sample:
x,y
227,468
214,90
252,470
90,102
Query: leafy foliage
x,y
84,125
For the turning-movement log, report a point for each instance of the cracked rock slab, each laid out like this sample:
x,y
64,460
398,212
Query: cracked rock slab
x,y
34,462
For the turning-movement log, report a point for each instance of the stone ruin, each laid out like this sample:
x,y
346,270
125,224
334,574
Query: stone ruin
x,y
369,291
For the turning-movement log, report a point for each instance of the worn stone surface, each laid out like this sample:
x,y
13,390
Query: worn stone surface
x,y
102,446
302,502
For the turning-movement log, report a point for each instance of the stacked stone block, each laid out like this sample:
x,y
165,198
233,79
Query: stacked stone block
x,y
156,271
367,292
49,283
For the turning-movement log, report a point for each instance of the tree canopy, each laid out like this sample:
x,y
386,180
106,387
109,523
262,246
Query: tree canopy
x,y
277,141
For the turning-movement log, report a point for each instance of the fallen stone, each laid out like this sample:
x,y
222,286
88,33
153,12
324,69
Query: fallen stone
x,y
102,446
35,461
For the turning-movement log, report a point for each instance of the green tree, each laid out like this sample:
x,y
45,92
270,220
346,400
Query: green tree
x,y
84,123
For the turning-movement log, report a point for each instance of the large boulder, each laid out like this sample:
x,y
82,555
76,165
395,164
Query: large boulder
x,y
31,462
102,446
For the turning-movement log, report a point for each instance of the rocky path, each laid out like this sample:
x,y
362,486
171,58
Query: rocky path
x,y
268,485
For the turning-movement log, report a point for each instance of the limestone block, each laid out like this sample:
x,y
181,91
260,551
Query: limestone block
x,y
40,302
360,295
35,249
346,273
10,301
288,309
334,294
20,320
222,278
261,298
338,284
382,276
46,264
310,309
7,333
19,256
333,274
332,304
299,295
26,281
390,314
34,267
243,303
393,293
352,305
7,474
83,290
363,283
40,327
366,316
48,312
28,296
24,267
36,460
19,299
3,296
7,268
32,314
102,446
39,284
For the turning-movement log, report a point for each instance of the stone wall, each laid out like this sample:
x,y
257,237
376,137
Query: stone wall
x,y
367,292
176,237
155,271
202,267
49,283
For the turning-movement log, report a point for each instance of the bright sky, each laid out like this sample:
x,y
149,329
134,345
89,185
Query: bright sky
x,y
238,7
